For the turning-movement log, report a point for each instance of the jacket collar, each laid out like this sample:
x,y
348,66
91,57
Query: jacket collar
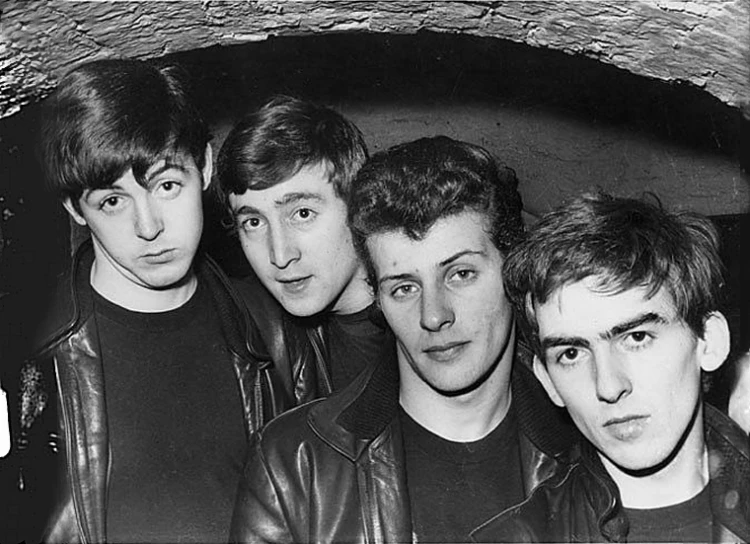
x,y
729,469
353,417
356,415
71,304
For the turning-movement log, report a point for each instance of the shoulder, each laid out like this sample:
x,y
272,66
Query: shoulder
x,y
724,434
285,434
530,521
254,294
261,306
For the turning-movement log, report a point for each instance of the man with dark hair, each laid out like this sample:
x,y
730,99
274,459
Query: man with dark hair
x,y
149,373
621,299
286,173
428,441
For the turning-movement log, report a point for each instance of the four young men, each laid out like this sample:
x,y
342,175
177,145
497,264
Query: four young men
x,y
153,369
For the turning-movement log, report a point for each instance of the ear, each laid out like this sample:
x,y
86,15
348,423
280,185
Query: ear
x,y
208,167
540,371
75,214
714,346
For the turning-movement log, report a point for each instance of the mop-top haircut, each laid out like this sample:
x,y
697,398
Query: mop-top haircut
x,y
273,144
109,116
626,244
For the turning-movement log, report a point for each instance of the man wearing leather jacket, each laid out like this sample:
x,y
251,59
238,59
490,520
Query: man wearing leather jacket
x,y
285,172
150,371
429,441
621,299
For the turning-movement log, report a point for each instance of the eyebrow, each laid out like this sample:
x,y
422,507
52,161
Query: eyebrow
x,y
578,342
644,319
289,198
162,167
441,264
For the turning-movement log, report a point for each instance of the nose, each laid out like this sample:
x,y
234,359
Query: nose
x,y
283,247
436,310
612,381
148,219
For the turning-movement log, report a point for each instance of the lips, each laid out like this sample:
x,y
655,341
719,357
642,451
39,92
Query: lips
x,y
294,285
158,257
627,428
445,352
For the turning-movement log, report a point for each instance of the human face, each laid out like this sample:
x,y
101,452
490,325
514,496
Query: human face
x,y
443,297
296,238
627,368
145,238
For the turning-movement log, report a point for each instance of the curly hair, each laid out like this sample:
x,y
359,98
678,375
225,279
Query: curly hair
x,y
408,187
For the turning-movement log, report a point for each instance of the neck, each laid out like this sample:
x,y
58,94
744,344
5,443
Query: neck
x,y
356,296
137,298
681,479
464,418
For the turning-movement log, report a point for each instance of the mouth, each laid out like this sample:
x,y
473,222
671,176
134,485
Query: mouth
x,y
628,427
294,285
161,256
445,352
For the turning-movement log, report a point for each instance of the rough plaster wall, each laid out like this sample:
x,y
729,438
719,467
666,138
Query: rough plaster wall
x,y
556,157
703,42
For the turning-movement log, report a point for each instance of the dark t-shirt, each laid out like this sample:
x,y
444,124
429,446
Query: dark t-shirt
x,y
176,428
354,342
456,486
688,521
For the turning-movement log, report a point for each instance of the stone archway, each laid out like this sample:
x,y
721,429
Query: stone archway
x,y
701,42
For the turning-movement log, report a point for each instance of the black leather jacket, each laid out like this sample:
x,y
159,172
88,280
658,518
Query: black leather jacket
x,y
581,502
63,421
333,470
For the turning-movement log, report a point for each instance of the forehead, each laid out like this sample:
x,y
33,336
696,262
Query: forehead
x,y
586,309
310,183
394,252
170,162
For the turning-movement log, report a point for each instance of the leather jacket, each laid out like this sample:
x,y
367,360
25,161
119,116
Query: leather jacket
x,y
581,502
334,470
63,421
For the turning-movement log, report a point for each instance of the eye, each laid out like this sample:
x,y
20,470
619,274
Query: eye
x,y
169,188
637,339
464,274
569,356
111,203
304,214
250,224
403,291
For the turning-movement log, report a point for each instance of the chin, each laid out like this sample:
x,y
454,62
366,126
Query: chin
x,y
455,388
302,308
168,279
640,463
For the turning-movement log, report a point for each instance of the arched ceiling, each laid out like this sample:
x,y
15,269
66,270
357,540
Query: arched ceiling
x,y
705,43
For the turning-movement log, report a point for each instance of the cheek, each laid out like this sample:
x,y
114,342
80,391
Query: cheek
x,y
401,319
254,252
493,318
